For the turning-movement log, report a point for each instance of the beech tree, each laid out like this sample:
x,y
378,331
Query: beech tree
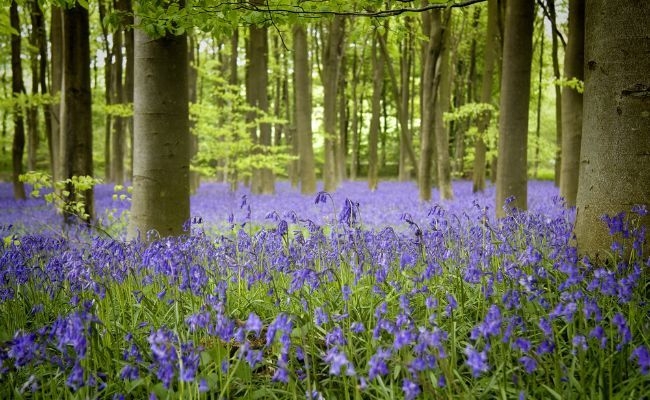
x,y
161,146
572,102
18,88
615,152
512,168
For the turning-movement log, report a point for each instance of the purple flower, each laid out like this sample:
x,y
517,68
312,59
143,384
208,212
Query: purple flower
x,y
357,327
643,358
129,372
203,386
529,364
579,342
623,329
451,304
411,389
253,323
599,333
76,378
336,360
476,360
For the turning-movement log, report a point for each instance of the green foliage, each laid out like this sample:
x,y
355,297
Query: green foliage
x,y
223,122
473,112
123,110
67,196
24,101
573,83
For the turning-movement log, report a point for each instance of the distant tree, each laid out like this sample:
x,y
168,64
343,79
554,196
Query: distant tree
x,y
512,168
56,73
572,102
615,152
442,106
257,82
373,131
331,59
17,88
161,193
487,82
302,86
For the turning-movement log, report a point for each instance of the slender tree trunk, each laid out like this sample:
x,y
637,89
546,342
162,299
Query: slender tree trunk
x,y
342,142
76,116
17,88
405,138
373,132
615,152
332,53
128,81
487,82
302,84
161,193
512,174
117,96
56,40
538,127
558,95
33,137
262,181
192,77
572,103
442,106
356,77
38,22
430,69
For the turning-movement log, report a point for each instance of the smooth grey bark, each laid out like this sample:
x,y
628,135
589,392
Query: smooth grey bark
x,y
161,193
442,106
117,135
76,103
540,95
332,53
56,41
192,77
373,131
615,152
17,88
262,181
572,103
512,168
33,134
108,98
558,94
302,93
430,79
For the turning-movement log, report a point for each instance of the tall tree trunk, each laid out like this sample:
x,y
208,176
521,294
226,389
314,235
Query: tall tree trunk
x,y
332,53
487,82
538,125
192,76
430,70
558,94
161,192
512,173
108,87
263,181
357,69
572,103
56,39
442,106
615,152
33,137
128,80
373,131
342,141
117,97
76,116
302,84
38,22
17,88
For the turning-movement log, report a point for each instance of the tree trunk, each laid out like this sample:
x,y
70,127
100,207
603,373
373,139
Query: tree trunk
x,y
33,137
489,59
17,88
262,181
442,106
540,94
117,97
161,194
572,103
512,178
558,95
56,39
373,131
430,70
108,89
357,69
302,84
342,142
615,152
76,116
332,53
128,81
38,22
192,76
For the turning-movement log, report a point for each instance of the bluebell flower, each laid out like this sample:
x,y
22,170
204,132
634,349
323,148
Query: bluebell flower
x,y
529,364
411,389
76,377
253,323
623,330
357,327
337,360
579,342
643,358
129,372
599,333
476,360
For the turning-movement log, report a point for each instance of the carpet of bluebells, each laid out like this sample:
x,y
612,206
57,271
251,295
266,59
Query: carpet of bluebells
x,y
348,295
